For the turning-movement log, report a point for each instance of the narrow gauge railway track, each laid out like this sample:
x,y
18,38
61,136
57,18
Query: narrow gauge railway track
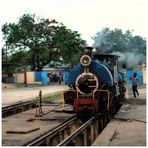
x,y
10,110
84,135
74,132
51,137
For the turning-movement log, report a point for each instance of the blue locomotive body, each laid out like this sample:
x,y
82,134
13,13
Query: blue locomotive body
x,y
96,84
96,68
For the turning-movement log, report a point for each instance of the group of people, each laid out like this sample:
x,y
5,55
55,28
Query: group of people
x,y
55,78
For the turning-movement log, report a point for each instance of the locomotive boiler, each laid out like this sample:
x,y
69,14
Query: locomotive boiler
x,y
96,84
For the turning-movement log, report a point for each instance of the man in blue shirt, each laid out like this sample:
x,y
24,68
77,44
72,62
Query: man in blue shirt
x,y
134,84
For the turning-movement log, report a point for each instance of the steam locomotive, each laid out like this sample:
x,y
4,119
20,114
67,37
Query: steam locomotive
x,y
97,85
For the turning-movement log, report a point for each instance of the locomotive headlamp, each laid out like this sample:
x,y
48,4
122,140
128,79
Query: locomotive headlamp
x,y
85,60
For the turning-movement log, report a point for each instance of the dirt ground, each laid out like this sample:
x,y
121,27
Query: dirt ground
x,y
12,93
26,122
8,86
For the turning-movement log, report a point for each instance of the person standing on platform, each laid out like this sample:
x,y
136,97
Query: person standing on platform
x,y
134,84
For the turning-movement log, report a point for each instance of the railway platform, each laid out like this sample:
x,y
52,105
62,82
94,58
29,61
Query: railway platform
x,y
128,128
13,95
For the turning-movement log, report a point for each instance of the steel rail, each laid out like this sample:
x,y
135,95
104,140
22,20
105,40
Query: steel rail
x,y
4,108
42,139
14,107
77,132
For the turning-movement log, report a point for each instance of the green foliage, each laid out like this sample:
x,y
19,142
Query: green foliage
x,y
42,40
68,43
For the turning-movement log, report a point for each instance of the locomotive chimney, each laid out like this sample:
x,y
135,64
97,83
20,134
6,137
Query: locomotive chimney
x,y
88,51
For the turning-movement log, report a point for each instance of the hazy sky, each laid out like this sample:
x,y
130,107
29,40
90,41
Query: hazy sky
x,y
86,16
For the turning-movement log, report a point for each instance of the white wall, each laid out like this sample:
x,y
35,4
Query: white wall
x,y
30,77
19,77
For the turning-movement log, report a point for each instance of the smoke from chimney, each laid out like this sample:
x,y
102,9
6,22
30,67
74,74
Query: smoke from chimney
x,y
131,59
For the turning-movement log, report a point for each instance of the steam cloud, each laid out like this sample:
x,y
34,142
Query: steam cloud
x,y
130,59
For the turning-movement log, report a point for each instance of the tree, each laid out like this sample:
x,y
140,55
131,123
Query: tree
x,y
131,49
68,43
138,45
17,60
43,39
115,40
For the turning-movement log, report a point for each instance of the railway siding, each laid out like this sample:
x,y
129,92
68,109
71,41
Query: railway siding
x,y
22,106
